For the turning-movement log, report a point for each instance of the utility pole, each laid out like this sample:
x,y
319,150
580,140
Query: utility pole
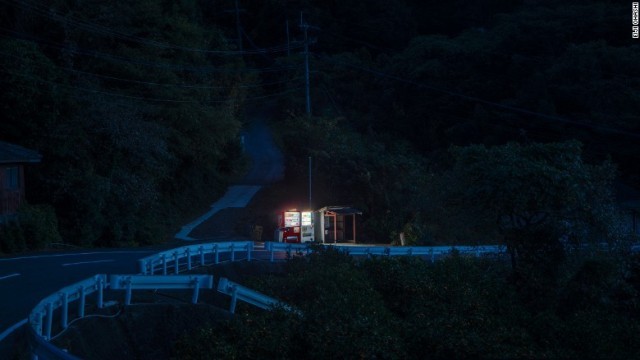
x,y
238,27
305,27
237,10
310,183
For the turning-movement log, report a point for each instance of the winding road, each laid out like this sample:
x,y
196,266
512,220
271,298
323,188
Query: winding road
x,y
26,279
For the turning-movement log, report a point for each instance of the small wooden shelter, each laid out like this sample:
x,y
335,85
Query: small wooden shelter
x,y
335,224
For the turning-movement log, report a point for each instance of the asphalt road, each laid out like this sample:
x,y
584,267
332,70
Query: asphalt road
x,y
25,280
267,161
267,167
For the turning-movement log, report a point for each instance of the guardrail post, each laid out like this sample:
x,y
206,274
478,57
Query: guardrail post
x,y
65,310
47,335
215,254
150,266
249,248
143,266
176,261
234,299
201,249
196,291
433,256
164,264
100,292
188,252
410,251
233,252
81,302
127,299
271,251
39,323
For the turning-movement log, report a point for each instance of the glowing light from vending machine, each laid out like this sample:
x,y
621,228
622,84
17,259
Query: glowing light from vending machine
x,y
307,218
291,218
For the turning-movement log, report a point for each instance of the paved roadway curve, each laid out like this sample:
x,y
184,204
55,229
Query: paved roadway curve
x,y
267,166
25,280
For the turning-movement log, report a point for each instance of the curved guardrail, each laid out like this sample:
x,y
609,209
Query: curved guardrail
x,y
41,318
184,258
184,255
40,331
78,291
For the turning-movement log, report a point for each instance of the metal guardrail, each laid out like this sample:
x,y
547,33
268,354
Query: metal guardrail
x,y
41,348
173,282
61,299
239,292
41,317
182,259
288,248
430,251
174,258
40,332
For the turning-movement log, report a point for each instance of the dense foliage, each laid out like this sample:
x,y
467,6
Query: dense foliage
x,y
456,308
131,105
137,105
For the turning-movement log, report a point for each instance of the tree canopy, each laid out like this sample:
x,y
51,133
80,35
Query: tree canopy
x,y
137,106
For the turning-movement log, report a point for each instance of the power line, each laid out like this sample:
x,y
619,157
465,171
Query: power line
x,y
140,98
105,31
305,27
122,59
482,101
141,82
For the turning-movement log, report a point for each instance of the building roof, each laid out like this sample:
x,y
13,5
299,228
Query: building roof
x,y
342,210
11,153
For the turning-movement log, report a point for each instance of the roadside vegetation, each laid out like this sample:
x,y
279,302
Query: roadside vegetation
x,y
449,122
137,109
458,307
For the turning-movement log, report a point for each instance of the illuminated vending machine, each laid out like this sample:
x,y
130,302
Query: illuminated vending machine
x,y
288,227
307,226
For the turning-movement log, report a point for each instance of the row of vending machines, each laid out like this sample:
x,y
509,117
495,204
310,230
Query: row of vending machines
x,y
329,224
295,227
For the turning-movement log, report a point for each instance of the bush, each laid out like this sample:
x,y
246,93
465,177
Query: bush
x,y
35,227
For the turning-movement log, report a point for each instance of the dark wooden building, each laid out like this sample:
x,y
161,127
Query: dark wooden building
x,y
12,161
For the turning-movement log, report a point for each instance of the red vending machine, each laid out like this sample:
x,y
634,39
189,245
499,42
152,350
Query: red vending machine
x,y
288,227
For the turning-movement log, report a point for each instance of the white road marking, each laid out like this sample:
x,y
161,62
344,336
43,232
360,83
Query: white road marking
x,y
9,276
13,328
237,196
79,254
88,262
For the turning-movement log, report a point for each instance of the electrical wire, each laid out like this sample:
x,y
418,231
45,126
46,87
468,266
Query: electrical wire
x,y
475,99
122,59
106,31
141,98
85,317
185,86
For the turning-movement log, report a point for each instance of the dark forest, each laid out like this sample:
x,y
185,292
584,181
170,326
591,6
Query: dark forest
x,y
137,106
451,122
